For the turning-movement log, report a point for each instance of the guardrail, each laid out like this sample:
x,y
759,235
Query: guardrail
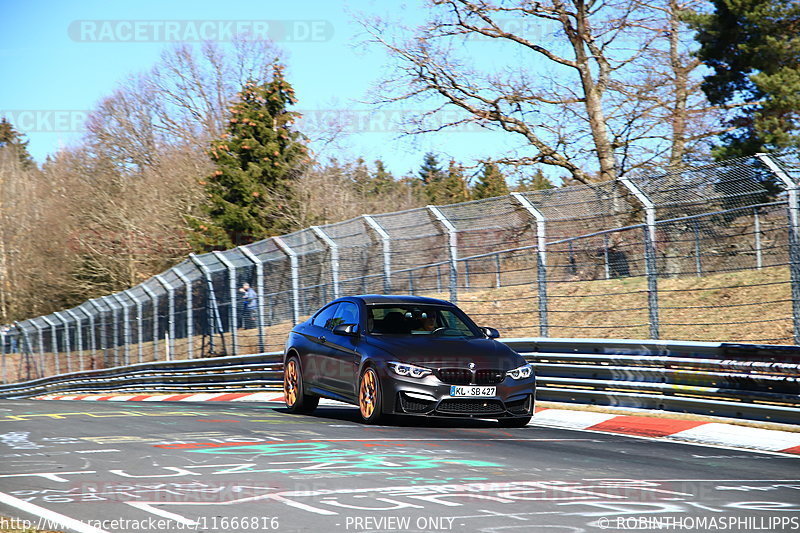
x,y
755,382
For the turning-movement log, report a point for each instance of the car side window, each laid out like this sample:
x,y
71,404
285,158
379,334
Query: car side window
x,y
326,316
347,313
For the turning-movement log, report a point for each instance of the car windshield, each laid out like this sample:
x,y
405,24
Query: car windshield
x,y
402,319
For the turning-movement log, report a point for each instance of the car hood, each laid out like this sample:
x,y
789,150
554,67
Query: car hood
x,y
443,352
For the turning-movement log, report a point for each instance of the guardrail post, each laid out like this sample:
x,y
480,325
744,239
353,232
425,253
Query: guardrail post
x,y
103,332
649,206
387,251
295,277
126,329
170,316
78,337
652,284
154,299
187,283
53,342
114,326
794,237
334,250
233,313
259,292
65,336
541,259
452,247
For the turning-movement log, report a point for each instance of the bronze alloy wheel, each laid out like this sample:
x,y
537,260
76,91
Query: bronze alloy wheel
x,y
297,401
369,396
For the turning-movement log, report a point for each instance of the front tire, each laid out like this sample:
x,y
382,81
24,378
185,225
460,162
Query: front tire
x,y
370,397
294,396
520,422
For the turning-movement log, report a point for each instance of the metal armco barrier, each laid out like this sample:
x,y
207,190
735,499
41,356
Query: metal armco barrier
x,y
755,382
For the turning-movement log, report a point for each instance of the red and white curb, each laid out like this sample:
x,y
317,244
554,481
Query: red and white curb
x,y
696,431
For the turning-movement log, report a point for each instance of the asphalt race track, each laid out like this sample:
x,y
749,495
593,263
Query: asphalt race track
x,y
253,467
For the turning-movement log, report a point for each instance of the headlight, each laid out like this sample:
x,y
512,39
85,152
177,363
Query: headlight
x,y
521,372
405,369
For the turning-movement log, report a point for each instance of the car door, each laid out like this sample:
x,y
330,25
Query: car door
x,y
340,352
314,370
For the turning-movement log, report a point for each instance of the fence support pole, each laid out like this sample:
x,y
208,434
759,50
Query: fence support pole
x,y
170,315
212,310
26,338
139,325
652,283
541,259
259,266
295,277
757,230
115,325
126,328
154,299
4,336
387,252
794,237
233,313
452,247
334,250
78,337
187,283
103,332
53,343
649,206
92,335
65,337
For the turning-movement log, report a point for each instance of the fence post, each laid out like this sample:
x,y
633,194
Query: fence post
x,y
139,324
757,229
103,332
170,315
78,337
259,266
295,277
649,206
334,249
651,271
29,352
212,310
126,328
541,259
387,252
187,283
233,313
92,333
794,237
53,343
154,299
452,247
114,325
65,336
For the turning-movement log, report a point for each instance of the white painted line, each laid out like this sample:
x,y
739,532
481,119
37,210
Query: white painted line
x,y
260,397
570,419
731,435
57,520
201,397
122,398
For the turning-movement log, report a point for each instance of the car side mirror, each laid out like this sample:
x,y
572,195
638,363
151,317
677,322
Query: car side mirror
x,y
350,330
491,333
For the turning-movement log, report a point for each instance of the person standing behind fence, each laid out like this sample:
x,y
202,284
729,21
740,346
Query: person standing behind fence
x,y
249,305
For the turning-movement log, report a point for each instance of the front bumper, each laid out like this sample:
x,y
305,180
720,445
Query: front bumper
x,y
431,397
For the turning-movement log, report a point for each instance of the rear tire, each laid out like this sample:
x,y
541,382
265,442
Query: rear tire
x,y
370,397
294,396
520,422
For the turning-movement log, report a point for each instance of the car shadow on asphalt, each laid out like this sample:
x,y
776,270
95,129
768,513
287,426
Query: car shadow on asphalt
x,y
350,414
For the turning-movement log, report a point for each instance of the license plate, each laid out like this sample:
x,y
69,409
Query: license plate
x,y
472,391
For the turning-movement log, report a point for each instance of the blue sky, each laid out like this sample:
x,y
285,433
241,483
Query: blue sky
x,y
55,78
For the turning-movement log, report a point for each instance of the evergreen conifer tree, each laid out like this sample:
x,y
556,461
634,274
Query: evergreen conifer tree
x,y
492,183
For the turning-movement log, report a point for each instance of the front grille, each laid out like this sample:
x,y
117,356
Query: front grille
x,y
414,405
471,407
489,377
454,376
520,407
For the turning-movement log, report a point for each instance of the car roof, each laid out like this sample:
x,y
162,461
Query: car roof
x,y
397,299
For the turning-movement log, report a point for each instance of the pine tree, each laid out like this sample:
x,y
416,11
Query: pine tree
x,y
10,137
537,182
753,50
250,194
492,183
430,172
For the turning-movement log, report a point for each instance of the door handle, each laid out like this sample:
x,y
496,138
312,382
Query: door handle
x,y
322,339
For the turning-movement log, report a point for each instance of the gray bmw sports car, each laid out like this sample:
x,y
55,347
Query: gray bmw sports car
x,y
405,355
